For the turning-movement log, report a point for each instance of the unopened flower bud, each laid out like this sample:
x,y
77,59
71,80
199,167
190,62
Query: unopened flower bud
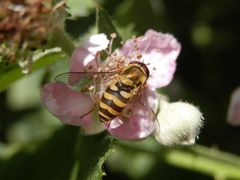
x,y
178,123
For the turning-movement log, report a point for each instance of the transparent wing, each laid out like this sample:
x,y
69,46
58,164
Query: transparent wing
x,y
151,105
84,81
146,101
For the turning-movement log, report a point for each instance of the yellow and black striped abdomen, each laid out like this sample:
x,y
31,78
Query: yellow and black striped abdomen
x,y
114,100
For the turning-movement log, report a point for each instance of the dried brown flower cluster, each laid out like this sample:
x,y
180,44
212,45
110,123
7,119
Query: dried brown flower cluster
x,y
24,25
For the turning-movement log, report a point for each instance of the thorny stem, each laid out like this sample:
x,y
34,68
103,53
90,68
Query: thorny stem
x,y
198,158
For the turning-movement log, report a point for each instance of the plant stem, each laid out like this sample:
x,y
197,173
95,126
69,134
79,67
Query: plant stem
x,y
197,158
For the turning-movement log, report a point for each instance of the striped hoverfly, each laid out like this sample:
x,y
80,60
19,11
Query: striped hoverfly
x,y
112,91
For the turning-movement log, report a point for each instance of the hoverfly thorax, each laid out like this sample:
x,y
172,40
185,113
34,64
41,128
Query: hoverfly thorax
x,y
136,72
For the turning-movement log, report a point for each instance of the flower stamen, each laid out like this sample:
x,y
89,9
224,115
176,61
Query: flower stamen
x,y
113,36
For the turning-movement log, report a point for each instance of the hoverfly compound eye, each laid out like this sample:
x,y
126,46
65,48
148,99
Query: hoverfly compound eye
x,y
142,66
146,69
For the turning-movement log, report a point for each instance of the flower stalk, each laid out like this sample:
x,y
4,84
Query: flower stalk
x,y
209,161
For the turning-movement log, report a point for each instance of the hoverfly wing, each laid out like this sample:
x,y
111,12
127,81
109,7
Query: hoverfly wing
x,y
82,81
86,82
75,80
150,104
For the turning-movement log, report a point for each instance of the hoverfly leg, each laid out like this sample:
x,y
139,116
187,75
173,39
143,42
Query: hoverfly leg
x,y
91,110
140,98
108,124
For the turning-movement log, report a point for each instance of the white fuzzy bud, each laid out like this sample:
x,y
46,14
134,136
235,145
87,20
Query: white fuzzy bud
x,y
178,123
233,116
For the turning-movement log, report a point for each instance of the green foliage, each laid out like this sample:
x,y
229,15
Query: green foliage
x,y
13,73
59,38
105,25
65,155
53,158
91,153
78,8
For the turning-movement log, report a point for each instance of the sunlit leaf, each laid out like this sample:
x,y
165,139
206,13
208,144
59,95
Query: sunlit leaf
x,y
59,38
13,73
79,8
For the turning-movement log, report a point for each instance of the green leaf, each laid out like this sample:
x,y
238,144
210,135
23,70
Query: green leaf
x,y
13,73
105,25
80,8
53,159
59,38
92,151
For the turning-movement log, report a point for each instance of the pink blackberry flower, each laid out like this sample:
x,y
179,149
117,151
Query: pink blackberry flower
x,y
157,50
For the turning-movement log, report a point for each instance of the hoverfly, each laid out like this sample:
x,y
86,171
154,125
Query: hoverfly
x,y
123,85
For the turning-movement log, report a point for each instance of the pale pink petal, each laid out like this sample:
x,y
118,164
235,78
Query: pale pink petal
x,y
140,123
81,61
136,128
159,52
81,57
67,104
157,40
84,59
92,124
161,68
233,116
